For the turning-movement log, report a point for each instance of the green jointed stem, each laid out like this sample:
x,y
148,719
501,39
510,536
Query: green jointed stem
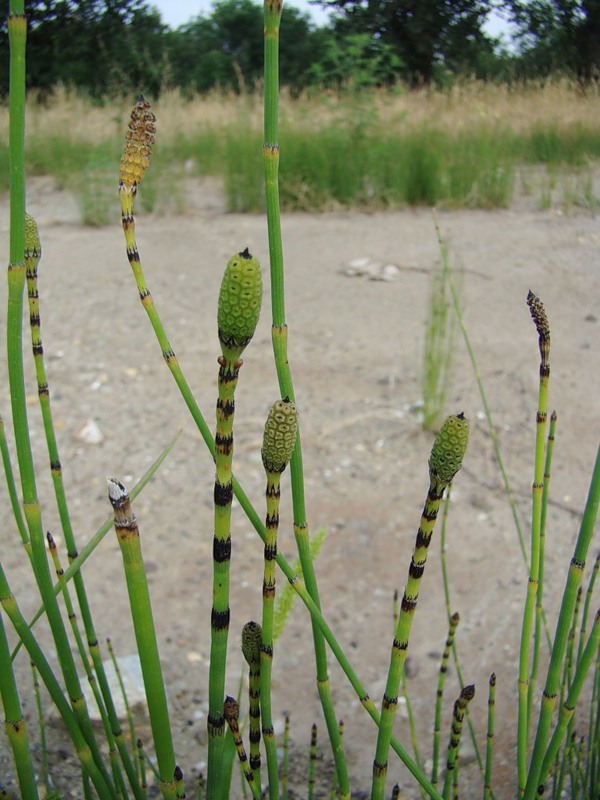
x,y
454,620
569,598
128,536
587,604
272,13
539,599
33,252
460,707
238,311
312,762
15,726
231,712
279,439
251,641
446,458
540,319
88,758
590,652
285,763
489,750
89,548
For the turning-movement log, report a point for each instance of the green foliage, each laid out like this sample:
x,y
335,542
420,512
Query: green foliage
x,y
558,36
421,35
439,346
355,60
286,595
105,48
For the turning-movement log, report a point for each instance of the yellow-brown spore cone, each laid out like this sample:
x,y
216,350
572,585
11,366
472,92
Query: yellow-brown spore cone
x,y
138,144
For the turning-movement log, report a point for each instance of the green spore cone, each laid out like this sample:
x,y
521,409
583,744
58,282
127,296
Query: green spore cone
x,y
449,448
240,298
33,247
279,438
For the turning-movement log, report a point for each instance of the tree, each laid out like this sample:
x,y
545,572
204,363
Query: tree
x,y
559,35
226,47
94,45
422,33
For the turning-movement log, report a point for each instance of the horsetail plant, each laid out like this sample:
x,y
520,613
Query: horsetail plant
x,y
489,749
279,440
460,707
540,320
569,597
128,536
445,461
239,304
279,335
454,620
309,593
251,645
231,711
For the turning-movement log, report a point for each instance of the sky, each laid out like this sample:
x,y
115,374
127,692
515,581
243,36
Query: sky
x,y
177,12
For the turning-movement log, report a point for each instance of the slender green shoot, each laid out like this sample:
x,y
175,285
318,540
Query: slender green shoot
x,y
15,725
460,707
285,762
279,440
272,15
540,320
489,749
240,299
589,654
89,548
539,600
446,458
251,646
312,761
438,351
454,620
456,304
569,597
232,714
128,536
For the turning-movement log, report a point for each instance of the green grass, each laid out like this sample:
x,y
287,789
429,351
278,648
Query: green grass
x,y
336,162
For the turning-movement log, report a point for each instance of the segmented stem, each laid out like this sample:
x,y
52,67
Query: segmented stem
x,y
312,764
33,253
569,598
223,495
445,460
454,620
285,762
460,707
251,644
278,444
231,711
128,536
272,14
15,725
524,708
489,750
400,644
539,600
90,761
590,652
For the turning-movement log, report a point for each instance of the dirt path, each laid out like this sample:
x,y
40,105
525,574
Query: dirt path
x,y
355,351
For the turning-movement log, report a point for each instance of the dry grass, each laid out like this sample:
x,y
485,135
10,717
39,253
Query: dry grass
x,y
468,106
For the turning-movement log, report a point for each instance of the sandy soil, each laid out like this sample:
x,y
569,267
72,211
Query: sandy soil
x,y
355,350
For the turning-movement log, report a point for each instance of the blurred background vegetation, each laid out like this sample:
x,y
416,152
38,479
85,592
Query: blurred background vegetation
x,y
108,47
